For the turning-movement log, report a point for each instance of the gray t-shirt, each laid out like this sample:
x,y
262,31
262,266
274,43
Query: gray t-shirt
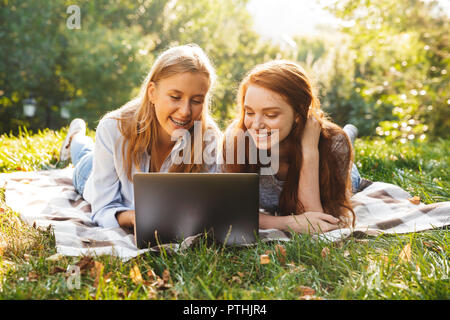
x,y
269,193
270,187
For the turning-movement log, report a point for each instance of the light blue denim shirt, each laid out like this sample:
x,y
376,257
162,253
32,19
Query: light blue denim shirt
x,y
108,189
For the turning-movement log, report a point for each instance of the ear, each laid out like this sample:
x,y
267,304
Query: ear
x,y
151,91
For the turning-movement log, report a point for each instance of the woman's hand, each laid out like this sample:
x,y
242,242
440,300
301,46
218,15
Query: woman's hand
x,y
126,219
311,222
311,133
308,184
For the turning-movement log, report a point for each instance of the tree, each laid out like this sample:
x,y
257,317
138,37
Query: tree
x,y
100,66
402,58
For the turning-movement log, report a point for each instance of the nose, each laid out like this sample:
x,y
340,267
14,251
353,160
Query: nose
x,y
185,109
258,123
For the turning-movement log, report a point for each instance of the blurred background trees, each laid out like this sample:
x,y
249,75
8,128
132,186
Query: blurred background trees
x,y
385,70
396,57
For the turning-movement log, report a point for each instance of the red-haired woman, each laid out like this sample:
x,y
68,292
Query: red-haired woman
x,y
310,192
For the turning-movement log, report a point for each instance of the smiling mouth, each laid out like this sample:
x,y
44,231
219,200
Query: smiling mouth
x,y
179,123
262,135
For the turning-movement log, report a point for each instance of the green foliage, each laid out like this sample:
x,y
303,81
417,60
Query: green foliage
x,y
386,70
400,52
30,59
99,67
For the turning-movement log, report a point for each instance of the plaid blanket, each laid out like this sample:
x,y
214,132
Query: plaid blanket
x,y
48,197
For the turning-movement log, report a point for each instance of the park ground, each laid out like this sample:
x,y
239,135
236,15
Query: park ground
x,y
407,266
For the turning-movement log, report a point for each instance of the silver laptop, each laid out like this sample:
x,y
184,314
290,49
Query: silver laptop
x,y
172,206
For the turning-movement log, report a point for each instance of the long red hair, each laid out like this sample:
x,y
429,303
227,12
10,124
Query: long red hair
x,y
289,80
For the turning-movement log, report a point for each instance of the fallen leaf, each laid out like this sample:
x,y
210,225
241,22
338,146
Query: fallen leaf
x,y
166,276
428,244
165,282
97,271
308,297
235,259
98,268
57,270
268,252
405,254
294,268
85,264
325,252
135,275
33,276
55,257
240,274
264,259
346,253
306,291
281,253
414,200
433,246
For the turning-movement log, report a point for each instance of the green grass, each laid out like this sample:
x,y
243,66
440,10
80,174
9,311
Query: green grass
x,y
367,268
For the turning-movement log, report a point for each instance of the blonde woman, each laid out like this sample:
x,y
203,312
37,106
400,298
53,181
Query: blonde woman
x,y
141,135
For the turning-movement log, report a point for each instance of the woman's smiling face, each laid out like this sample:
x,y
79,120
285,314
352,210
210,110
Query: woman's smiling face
x,y
178,101
266,111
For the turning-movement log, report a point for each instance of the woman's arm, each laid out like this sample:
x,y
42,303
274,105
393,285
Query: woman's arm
x,y
125,218
308,222
104,193
308,185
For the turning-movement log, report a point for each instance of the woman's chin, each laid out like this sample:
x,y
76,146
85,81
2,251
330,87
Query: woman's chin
x,y
262,145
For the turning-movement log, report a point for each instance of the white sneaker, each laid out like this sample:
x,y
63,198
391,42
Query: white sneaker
x,y
351,131
76,126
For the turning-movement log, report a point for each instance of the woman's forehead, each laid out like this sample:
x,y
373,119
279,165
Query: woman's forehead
x,y
262,98
187,82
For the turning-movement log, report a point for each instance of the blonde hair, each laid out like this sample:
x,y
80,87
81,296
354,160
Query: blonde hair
x,y
137,118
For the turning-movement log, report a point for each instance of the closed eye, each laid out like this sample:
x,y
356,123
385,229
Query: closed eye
x,y
175,98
